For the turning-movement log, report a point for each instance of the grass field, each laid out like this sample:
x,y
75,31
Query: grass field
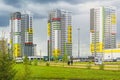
x,y
67,73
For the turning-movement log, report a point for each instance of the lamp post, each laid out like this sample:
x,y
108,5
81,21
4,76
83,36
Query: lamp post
x,y
78,42
40,54
49,47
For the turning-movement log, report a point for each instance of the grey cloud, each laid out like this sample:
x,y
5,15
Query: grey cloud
x,y
15,3
4,20
38,16
68,1
44,1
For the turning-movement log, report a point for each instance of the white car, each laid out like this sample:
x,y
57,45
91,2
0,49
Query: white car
x,y
18,60
118,59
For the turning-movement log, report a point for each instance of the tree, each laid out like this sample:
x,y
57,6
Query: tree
x,y
35,62
7,71
27,71
56,59
65,58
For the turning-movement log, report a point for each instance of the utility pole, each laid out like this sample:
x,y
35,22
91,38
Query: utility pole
x,y
49,47
78,42
40,54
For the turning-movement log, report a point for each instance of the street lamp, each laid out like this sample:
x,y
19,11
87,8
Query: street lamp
x,y
40,54
78,42
49,47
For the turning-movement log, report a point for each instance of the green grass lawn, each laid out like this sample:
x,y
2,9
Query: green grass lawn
x,y
61,73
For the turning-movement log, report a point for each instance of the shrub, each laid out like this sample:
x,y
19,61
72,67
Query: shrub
x,y
47,64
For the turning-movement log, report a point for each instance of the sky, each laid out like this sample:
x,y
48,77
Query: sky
x,y
40,8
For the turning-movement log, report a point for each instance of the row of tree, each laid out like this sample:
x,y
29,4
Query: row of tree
x,y
7,65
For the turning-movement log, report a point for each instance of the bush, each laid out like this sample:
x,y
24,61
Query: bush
x,y
47,64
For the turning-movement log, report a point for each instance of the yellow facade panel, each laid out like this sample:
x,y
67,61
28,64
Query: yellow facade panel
x,y
113,19
48,29
16,50
69,34
92,31
30,30
98,47
56,52
111,51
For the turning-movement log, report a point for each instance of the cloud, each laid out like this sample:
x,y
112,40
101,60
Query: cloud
x,y
40,8
6,8
4,21
14,3
55,1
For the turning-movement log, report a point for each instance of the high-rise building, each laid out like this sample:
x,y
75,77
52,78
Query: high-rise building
x,y
35,49
59,33
102,29
27,33
21,34
15,23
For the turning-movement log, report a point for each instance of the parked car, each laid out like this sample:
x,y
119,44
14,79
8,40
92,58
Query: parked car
x,y
19,60
108,60
118,59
